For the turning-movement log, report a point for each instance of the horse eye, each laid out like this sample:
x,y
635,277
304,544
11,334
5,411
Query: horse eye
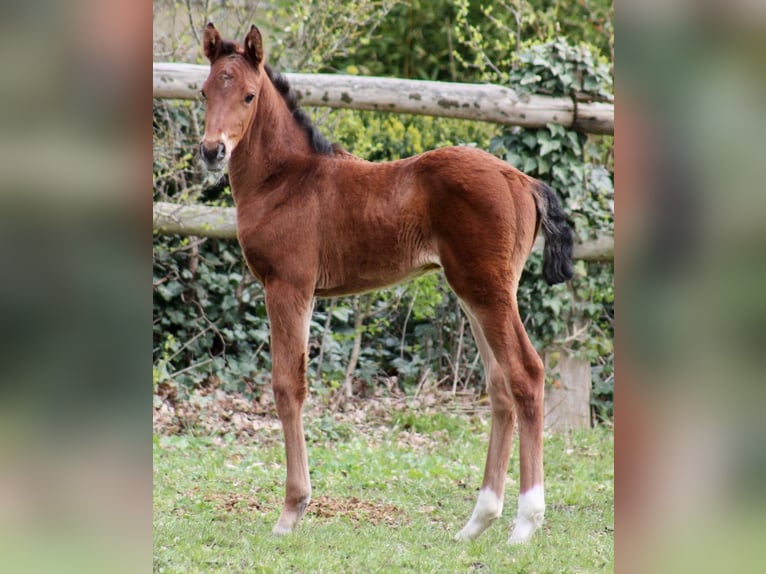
x,y
249,98
203,94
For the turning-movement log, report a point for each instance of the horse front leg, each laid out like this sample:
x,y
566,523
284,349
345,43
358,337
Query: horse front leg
x,y
289,311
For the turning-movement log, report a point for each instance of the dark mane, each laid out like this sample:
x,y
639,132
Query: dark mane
x,y
319,143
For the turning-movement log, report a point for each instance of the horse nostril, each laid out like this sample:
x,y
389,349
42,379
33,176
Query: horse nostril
x,y
211,154
221,151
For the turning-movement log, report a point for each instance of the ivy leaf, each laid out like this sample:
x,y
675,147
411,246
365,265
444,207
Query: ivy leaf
x,y
513,158
567,79
497,146
170,290
554,304
590,84
342,313
556,129
530,140
548,146
575,141
561,174
530,78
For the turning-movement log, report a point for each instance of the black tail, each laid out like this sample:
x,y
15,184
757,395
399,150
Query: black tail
x,y
557,255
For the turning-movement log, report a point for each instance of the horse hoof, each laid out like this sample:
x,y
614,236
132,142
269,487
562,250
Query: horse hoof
x,y
281,529
462,536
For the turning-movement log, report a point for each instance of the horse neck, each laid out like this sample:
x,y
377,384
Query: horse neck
x,y
273,140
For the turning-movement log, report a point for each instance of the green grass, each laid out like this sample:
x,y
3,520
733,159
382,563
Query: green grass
x,y
389,504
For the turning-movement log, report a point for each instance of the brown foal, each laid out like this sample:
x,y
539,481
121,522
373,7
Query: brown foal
x,y
315,221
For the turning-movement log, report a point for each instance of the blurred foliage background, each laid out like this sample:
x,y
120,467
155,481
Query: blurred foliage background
x,y
209,322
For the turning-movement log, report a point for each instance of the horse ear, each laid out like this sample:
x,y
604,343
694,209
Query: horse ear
x,y
211,42
254,46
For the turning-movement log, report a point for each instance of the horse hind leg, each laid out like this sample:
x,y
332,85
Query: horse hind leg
x,y
527,377
489,504
516,380
483,257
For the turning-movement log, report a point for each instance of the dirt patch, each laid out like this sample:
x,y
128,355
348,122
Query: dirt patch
x,y
353,509
357,510
235,503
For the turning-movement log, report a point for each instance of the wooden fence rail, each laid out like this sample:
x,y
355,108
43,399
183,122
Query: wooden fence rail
x,y
221,223
485,102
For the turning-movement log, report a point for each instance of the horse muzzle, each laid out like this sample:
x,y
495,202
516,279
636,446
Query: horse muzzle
x,y
213,154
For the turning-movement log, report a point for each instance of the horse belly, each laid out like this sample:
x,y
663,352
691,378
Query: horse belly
x,y
364,272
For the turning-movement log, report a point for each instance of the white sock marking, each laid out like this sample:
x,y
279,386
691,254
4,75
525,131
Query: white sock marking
x,y
488,508
530,514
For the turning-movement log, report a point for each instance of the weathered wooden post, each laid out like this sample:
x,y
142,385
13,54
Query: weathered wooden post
x,y
567,397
